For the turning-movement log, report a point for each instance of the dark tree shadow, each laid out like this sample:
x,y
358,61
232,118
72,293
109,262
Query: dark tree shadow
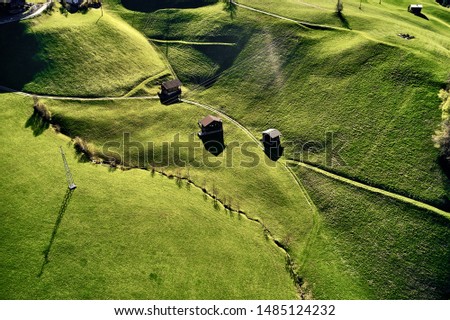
x,y
273,152
444,164
213,143
151,6
37,124
19,55
62,210
343,19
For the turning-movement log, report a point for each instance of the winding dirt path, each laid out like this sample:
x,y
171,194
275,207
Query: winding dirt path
x,y
43,96
383,192
299,22
196,43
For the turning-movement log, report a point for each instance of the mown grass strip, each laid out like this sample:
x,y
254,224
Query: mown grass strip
x,y
374,189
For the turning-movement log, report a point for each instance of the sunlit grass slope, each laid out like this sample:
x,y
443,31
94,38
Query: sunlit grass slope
x,y
122,234
241,176
77,55
379,21
369,246
379,101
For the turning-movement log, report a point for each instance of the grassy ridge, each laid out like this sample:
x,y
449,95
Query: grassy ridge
x,y
374,247
123,234
77,55
208,23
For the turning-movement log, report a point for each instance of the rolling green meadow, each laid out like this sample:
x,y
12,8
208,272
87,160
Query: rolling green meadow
x,y
347,93
122,234
381,248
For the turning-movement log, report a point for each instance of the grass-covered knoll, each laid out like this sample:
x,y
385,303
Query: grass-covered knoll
x,y
77,55
379,100
241,176
373,247
207,23
123,234
200,42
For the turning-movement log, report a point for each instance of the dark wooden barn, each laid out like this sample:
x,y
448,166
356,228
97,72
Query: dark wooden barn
x,y
415,8
271,137
170,87
210,125
272,144
170,91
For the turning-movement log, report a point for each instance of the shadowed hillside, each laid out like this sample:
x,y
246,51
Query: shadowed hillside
x,y
153,5
77,55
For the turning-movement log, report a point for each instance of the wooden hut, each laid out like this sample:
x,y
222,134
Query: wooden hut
x,y
170,91
210,125
271,138
415,8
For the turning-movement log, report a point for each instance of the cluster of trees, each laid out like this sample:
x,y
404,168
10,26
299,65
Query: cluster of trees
x,y
445,3
41,110
441,138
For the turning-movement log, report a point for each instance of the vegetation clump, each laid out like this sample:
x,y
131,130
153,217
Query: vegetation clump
x,y
441,138
84,148
41,109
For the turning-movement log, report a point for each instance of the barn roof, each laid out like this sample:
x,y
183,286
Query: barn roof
x,y
273,133
206,121
171,84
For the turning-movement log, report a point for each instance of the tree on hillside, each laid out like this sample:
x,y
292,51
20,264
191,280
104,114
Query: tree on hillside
x,y
231,7
442,140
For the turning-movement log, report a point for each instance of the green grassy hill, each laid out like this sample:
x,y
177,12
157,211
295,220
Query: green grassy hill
x,y
77,55
377,95
372,246
351,76
122,234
